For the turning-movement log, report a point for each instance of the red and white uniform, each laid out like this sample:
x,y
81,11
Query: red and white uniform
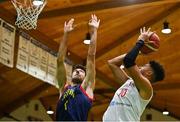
x,y
126,105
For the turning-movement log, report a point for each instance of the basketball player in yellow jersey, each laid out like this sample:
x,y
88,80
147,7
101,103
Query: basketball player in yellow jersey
x,y
136,90
76,96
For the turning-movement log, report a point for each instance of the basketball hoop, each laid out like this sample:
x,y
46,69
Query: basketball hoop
x,y
27,13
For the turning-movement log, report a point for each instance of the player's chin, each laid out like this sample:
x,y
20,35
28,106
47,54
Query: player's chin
x,y
77,80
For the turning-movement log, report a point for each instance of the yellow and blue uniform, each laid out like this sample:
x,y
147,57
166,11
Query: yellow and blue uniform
x,y
74,104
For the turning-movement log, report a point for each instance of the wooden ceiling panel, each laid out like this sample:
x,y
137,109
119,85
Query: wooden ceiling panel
x,y
166,97
7,93
100,84
101,6
149,22
8,5
57,4
118,32
105,16
104,40
9,75
79,18
166,45
51,91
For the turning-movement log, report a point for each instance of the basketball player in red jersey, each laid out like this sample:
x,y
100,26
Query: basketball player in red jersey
x,y
136,90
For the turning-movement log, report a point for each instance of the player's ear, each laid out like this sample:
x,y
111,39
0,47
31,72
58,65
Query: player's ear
x,y
149,72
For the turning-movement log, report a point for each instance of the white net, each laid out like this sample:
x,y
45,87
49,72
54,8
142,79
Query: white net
x,y
27,15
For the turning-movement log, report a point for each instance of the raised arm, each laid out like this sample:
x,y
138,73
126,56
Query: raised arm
x,y
89,82
120,74
141,82
61,71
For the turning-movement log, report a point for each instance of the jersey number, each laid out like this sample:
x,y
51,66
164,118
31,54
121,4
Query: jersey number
x,y
65,105
123,92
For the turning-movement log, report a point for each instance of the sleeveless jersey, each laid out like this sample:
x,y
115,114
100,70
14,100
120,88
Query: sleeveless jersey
x,y
74,104
126,105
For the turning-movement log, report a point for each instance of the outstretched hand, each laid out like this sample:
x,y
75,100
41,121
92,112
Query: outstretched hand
x,y
94,22
145,35
68,27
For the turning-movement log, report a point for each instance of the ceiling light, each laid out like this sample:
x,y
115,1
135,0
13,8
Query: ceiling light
x,y
122,66
166,29
68,53
87,40
165,112
50,111
38,2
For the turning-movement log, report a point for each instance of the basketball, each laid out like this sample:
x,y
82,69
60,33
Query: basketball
x,y
151,47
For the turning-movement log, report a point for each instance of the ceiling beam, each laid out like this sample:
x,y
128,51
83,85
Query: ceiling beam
x,y
92,7
132,33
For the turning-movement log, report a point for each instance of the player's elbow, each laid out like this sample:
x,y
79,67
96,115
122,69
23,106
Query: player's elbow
x,y
110,62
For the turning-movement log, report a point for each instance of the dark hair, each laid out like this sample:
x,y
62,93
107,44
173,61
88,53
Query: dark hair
x,y
158,70
79,66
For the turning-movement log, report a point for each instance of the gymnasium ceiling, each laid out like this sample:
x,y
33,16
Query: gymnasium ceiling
x,y
119,29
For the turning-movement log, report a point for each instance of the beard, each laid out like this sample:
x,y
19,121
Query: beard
x,y
76,80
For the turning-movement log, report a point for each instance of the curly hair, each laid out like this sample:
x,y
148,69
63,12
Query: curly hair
x,y
158,70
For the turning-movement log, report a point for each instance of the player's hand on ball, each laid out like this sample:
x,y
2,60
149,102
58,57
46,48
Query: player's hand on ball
x,y
144,35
